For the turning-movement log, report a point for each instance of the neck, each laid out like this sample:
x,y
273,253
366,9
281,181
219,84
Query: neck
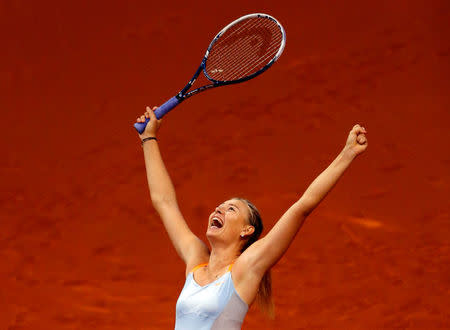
x,y
221,257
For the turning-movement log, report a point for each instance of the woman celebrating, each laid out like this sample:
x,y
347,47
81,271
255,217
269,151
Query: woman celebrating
x,y
223,282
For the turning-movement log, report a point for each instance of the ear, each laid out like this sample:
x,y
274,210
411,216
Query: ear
x,y
247,231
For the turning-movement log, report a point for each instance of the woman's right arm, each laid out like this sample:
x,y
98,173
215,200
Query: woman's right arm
x,y
162,192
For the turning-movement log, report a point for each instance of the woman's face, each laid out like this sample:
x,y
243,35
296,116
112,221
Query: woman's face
x,y
229,220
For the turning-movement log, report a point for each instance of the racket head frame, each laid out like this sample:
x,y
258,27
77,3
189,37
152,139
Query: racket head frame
x,y
268,65
183,94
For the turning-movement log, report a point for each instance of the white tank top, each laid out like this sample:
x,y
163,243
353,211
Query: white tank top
x,y
216,305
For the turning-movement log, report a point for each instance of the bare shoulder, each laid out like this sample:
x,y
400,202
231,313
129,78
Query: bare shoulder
x,y
200,256
246,277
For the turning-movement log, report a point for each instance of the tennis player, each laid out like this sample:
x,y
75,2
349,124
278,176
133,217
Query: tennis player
x,y
222,282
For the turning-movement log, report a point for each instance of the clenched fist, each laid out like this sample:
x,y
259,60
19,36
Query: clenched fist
x,y
356,141
153,125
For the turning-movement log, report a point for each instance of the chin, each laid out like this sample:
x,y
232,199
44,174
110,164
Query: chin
x,y
210,233
213,233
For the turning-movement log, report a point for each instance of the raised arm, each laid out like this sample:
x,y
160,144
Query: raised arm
x,y
162,192
264,253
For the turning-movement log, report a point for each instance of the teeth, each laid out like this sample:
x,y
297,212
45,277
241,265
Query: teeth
x,y
218,220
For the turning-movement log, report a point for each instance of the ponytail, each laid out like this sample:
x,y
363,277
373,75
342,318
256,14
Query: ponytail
x,y
264,294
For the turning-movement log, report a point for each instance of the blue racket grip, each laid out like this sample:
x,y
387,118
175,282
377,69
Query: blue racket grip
x,y
159,113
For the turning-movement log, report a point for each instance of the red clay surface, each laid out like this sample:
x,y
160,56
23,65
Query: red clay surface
x,y
82,248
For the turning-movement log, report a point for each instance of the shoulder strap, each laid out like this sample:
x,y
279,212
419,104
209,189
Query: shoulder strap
x,y
202,265
197,267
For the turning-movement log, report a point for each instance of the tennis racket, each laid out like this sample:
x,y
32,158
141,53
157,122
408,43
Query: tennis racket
x,y
243,49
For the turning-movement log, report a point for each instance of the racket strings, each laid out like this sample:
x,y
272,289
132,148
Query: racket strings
x,y
244,49
246,29
246,69
240,65
241,47
240,61
235,29
237,48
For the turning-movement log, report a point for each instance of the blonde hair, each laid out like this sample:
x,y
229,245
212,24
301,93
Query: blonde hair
x,y
264,295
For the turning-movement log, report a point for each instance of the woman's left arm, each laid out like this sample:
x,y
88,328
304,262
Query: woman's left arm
x,y
266,252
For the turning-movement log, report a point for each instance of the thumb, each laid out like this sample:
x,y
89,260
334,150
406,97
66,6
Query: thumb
x,y
151,114
153,117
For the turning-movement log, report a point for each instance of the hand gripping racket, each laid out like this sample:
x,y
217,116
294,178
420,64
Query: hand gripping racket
x,y
243,49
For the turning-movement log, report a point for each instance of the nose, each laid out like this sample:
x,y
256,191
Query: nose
x,y
218,210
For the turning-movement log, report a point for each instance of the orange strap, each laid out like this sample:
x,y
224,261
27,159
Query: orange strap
x,y
197,267
202,265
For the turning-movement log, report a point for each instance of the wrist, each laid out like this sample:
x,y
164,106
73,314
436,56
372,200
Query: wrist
x,y
148,138
348,154
146,135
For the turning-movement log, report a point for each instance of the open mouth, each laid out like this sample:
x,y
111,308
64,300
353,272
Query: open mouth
x,y
216,222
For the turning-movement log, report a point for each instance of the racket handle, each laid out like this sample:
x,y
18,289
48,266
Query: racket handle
x,y
159,113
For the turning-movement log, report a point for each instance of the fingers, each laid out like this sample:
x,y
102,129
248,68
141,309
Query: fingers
x,y
361,139
357,136
149,113
358,129
140,119
359,132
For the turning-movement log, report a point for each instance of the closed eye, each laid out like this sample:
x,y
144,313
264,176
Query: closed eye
x,y
231,208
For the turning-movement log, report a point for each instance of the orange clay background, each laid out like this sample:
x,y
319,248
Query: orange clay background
x,y
80,244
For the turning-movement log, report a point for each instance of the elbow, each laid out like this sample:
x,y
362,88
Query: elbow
x,y
156,200
305,206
